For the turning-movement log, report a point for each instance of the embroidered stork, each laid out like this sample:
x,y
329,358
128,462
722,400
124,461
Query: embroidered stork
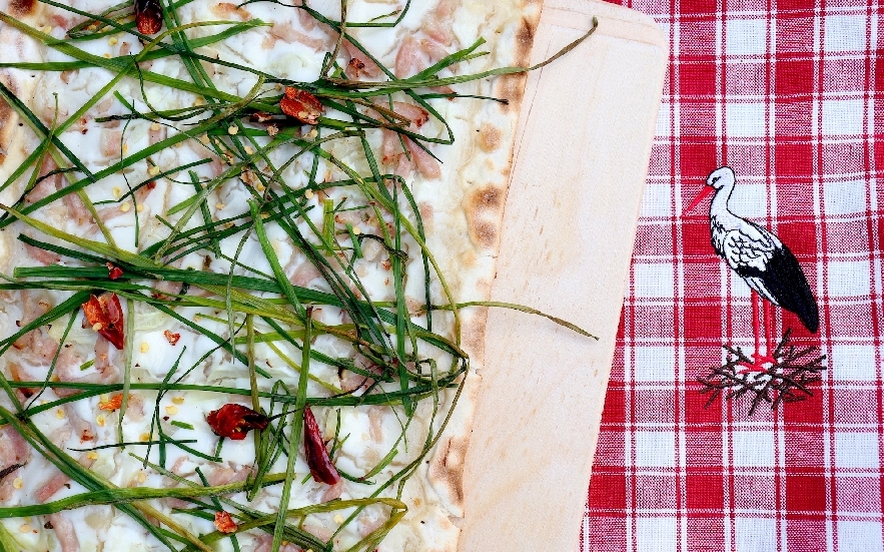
x,y
760,258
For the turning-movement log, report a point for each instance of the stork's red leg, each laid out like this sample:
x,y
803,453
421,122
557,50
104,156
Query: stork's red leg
x,y
768,332
756,323
759,359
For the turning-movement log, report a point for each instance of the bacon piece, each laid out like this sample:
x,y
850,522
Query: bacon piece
x,y
391,148
19,374
321,467
110,143
288,34
54,182
408,59
301,105
433,50
177,469
414,113
226,10
438,25
48,184
333,492
14,451
105,314
82,429
304,273
359,63
55,483
226,474
64,532
71,358
76,208
425,163
156,133
438,31
148,16
235,421
36,347
59,480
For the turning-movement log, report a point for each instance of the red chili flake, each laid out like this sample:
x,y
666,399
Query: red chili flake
x,y
113,271
172,338
260,117
235,421
148,16
224,523
321,467
301,105
356,64
105,314
112,404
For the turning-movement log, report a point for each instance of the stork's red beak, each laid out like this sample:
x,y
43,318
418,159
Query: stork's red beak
x,y
704,193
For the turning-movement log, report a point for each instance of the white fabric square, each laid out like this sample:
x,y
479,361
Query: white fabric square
x,y
746,120
755,534
853,362
856,450
663,124
654,363
845,197
657,201
739,287
859,536
655,449
845,33
653,280
753,448
746,37
656,534
848,278
842,117
750,201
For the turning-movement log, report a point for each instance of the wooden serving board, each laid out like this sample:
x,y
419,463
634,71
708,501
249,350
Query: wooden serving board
x,y
582,152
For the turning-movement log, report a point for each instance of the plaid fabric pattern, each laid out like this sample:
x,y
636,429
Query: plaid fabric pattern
x,y
790,93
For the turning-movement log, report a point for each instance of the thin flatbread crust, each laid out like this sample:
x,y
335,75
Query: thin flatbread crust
x,y
461,207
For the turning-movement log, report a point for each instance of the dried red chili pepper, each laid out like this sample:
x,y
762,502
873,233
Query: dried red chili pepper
x,y
235,420
105,314
321,467
224,523
301,105
113,271
148,16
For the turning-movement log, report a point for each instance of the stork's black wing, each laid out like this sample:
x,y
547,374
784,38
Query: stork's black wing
x,y
785,282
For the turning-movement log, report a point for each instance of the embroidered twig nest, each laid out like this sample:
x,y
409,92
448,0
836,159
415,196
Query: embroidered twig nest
x,y
787,379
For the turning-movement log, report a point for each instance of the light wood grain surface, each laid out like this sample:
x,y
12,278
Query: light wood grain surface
x,y
581,162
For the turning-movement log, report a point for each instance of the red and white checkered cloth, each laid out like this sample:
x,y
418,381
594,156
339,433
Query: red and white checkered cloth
x,y
790,93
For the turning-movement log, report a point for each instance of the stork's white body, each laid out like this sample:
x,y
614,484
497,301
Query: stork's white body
x,y
755,254
741,243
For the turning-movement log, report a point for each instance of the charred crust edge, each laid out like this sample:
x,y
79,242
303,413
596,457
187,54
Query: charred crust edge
x,y
21,8
512,86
